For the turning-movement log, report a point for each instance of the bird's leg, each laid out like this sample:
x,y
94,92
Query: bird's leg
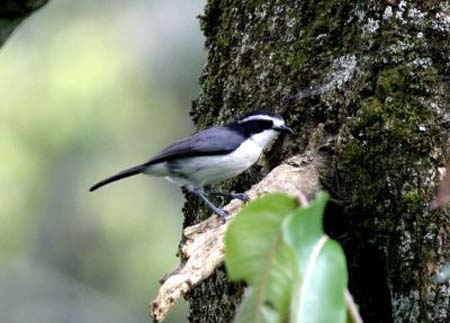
x,y
221,212
231,195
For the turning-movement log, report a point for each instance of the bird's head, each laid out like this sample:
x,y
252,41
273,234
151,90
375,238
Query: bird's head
x,y
263,126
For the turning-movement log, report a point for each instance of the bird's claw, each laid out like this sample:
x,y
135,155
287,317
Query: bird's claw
x,y
240,196
222,215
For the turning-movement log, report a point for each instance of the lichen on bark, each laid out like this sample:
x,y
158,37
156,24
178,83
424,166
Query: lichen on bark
x,y
378,74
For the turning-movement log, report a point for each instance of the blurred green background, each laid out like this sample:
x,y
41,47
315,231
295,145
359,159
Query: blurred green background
x,y
88,88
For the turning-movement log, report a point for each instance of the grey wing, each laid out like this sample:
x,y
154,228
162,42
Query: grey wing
x,y
212,141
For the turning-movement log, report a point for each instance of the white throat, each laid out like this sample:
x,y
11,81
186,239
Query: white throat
x,y
262,139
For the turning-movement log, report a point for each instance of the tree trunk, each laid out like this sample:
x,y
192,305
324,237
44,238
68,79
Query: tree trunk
x,y
374,77
12,12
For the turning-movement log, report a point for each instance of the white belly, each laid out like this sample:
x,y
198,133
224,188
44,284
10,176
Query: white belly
x,y
210,170
200,171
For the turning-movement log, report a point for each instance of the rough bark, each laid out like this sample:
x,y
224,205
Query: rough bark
x,y
13,12
378,76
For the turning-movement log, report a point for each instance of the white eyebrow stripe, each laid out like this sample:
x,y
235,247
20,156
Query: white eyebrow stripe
x,y
259,117
276,121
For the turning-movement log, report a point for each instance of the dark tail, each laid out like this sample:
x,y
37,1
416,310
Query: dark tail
x,y
126,173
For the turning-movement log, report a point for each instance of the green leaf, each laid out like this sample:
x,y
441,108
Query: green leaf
x,y
251,311
257,254
321,265
303,229
294,271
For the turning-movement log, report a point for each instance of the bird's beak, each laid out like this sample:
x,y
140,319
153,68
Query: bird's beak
x,y
284,129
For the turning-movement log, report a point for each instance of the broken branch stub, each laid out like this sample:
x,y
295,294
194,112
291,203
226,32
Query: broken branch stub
x,y
202,251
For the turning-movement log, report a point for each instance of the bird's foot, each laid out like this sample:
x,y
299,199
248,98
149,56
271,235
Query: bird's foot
x,y
240,196
222,214
233,195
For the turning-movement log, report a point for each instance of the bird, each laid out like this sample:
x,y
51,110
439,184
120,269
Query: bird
x,y
211,156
